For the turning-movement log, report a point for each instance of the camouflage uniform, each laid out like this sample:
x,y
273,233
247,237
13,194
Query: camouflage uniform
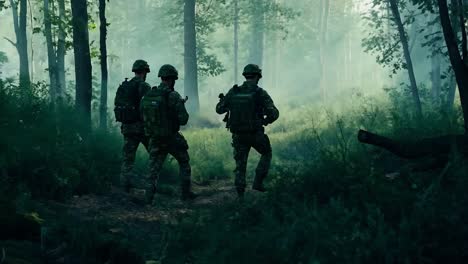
x,y
175,145
134,134
242,143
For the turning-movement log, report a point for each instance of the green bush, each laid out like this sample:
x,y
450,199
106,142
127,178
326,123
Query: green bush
x,y
43,152
330,202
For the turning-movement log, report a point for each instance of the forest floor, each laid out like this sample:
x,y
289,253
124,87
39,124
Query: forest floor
x,y
143,226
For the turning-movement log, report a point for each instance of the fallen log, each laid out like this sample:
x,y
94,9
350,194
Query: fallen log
x,y
440,147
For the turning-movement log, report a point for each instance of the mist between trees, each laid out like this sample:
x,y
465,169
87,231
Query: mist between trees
x,y
307,49
395,67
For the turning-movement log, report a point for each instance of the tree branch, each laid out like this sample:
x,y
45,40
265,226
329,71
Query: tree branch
x,y
11,42
389,51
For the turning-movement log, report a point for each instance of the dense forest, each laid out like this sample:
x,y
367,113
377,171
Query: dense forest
x,y
369,151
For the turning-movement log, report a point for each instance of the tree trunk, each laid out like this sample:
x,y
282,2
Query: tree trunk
x,y
258,32
459,66
464,43
436,79
61,51
51,55
190,57
452,90
19,22
32,69
324,12
437,146
236,41
104,71
406,52
82,60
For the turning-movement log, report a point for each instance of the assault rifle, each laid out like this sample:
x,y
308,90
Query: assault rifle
x,y
226,117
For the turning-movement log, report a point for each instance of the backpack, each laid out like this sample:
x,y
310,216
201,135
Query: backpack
x,y
127,102
243,116
155,112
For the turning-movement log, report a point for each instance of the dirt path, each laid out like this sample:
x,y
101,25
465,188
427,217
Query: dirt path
x,y
114,216
143,225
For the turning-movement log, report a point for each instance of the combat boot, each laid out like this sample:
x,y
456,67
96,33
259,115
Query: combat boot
x,y
240,193
259,187
187,194
258,184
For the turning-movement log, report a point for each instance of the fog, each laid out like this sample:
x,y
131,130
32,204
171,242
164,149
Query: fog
x,y
299,66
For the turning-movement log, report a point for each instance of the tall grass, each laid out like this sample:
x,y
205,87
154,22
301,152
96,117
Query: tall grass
x,y
330,201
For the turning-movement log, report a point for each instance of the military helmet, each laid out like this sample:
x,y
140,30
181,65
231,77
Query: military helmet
x,y
168,70
252,70
140,66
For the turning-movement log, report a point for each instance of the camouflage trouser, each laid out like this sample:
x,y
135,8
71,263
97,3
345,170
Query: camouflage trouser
x,y
242,144
131,143
159,148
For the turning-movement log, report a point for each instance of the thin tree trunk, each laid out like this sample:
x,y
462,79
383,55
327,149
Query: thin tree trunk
x,y
25,78
452,90
322,46
51,55
104,71
31,41
19,10
436,78
459,66
83,66
61,51
258,32
236,41
190,57
407,54
464,43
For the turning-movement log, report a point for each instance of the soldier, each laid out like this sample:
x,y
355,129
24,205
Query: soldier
x,y
127,105
249,108
163,111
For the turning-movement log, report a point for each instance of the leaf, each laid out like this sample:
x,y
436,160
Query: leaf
x,y
36,30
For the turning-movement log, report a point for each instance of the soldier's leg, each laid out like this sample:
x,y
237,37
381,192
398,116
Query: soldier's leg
x,y
263,146
179,150
158,153
145,142
130,147
241,154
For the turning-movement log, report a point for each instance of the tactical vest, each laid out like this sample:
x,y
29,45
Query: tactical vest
x,y
127,102
243,111
156,113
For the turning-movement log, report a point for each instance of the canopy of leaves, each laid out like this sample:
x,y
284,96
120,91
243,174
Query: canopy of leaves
x,y
3,58
2,5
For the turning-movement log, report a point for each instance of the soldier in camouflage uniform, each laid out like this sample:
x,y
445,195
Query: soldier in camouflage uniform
x,y
164,134
243,139
134,132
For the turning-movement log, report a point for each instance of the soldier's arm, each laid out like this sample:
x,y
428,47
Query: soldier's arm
x,y
143,89
269,108
179,106
222,107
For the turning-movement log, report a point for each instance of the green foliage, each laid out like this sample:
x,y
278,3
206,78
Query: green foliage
x,y
43,152
3,60
210,152
330,201
383,38
3,4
